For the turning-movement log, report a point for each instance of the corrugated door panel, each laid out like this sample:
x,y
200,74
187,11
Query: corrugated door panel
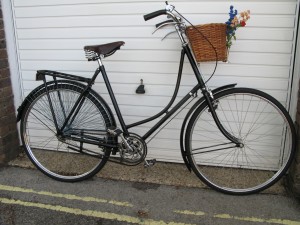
x,y
51,35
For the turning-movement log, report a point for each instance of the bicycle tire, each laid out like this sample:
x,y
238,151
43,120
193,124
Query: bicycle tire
x,y
268,141
64,159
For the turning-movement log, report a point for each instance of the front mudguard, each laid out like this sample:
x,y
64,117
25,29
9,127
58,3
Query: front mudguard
x,y
186,120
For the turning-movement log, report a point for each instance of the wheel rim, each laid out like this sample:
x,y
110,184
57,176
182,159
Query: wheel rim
x,y
267,142
56,156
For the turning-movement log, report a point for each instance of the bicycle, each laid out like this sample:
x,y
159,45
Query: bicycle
x,y
236,140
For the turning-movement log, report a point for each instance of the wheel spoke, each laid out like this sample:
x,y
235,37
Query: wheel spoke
x,y
57,155
266,133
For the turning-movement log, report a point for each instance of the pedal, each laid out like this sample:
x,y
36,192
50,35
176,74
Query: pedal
x,y
149,163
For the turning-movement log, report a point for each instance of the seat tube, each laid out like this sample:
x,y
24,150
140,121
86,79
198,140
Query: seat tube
x,y
112,97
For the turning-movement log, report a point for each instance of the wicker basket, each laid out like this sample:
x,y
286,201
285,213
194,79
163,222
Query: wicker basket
x,y
203,50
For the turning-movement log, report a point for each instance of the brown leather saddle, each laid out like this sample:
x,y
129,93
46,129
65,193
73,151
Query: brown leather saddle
x,y
94,51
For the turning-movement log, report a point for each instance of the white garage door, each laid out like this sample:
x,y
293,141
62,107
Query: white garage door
x,y
50,34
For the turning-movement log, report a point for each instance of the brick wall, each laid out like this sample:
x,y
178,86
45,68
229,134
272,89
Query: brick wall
x,y
9,143
294,175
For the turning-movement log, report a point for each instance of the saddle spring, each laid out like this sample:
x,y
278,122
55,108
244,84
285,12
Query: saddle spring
x,y
91,55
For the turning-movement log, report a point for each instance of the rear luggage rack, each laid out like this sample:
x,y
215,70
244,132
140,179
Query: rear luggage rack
x,y
40,75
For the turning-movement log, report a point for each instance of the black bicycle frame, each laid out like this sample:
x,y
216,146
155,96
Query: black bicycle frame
x,y
185,51
201,85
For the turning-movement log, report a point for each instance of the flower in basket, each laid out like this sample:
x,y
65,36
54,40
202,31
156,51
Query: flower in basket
x,y
234,22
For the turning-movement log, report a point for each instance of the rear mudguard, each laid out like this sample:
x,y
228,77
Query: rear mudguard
x,y
31,95
187,117
27,100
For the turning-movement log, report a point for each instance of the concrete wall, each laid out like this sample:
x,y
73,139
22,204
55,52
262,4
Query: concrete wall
x,y
9,143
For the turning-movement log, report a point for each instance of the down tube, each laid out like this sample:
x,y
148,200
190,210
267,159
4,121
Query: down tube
x,y
171,112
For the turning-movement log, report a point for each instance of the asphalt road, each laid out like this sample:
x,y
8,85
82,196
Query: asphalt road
x,y
29,197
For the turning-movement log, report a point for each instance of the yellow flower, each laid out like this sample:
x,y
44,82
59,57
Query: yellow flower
x,y
244,16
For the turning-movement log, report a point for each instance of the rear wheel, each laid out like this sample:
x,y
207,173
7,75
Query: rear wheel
x,y
265,130
65,156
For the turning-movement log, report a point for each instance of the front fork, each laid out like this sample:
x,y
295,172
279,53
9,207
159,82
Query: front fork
x,y
212,109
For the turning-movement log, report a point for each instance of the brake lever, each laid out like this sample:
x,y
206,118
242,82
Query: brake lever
x,y
167,21
164,24
168,34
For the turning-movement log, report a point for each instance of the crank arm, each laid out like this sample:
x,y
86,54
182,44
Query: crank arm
x,y
120,161
107,145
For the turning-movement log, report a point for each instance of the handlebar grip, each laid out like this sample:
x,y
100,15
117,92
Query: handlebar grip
x,y
154,14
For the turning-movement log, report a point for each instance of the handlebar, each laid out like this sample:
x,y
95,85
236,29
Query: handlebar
x,y
155,14
176,21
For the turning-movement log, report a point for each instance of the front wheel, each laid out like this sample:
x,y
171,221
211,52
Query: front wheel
x,y
263,127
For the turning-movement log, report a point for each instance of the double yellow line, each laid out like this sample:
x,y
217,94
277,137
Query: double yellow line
x,y
239,218
119,217
65,196
76,211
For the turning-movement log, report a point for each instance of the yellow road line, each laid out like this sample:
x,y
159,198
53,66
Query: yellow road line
x,y
113,216
66,196
258,220
90,213
249,219
187,212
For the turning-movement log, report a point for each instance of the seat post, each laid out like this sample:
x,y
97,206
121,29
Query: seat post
x,y
98,70
99,62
